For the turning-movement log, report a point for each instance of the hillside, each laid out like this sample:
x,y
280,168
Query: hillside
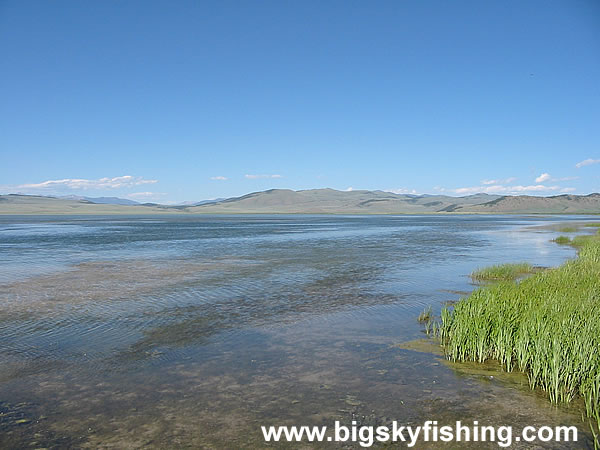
x,y
32,204
330,201
319,201
559,204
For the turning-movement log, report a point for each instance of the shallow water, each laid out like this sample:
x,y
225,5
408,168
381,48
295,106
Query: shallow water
x,y
194,331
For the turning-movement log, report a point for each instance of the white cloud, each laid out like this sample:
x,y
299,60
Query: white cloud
x,y
125,181
587,162
531,188
403,191
568,189
254,177
546,177
500,189
499,181
350,189
219,178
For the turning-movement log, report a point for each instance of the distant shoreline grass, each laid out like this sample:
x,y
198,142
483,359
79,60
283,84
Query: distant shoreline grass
x,y
503,272
547,325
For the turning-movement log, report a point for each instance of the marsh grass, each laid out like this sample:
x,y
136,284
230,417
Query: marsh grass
x,y
502,272
426,315
567,229
562,240
547,325
426,318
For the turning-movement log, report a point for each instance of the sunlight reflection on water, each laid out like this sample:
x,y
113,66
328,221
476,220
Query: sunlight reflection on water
x,y
128,331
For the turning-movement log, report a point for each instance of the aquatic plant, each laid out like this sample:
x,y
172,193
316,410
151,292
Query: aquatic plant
x,y
426,315
562,240
426,318
502,272
547,326
567,229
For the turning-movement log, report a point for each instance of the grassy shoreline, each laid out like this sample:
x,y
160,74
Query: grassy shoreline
x,y
503,272
547,325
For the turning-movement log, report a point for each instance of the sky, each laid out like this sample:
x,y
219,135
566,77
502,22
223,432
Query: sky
x,y
183,101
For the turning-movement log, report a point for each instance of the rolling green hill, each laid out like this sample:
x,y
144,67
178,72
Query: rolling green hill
x,y
320,201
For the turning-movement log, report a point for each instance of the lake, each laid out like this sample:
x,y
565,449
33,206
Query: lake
x,y
193,331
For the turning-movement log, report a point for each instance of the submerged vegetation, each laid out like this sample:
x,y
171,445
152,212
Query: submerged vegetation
x,y
502,272
547,326
568,229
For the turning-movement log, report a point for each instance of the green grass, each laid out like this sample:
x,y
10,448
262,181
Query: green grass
x,y
426,318
502,272
567,229
426,315
563,240
547,326
594,224
583,240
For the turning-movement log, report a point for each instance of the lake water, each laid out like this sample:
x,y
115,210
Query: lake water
x,y
185,331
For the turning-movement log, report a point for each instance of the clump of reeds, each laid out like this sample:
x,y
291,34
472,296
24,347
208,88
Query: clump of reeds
x,y
427,319
562,240
502,272
426,315
547,325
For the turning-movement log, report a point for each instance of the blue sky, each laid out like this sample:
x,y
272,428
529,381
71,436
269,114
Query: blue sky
x,y
175,101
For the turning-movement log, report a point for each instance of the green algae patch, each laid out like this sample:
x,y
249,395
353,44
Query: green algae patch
x,y
423,346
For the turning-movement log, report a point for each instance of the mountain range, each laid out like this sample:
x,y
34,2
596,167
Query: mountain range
x,y
313,201
101,200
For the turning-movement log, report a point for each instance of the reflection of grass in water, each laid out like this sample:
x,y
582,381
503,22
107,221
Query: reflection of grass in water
x,y
502,272
547,325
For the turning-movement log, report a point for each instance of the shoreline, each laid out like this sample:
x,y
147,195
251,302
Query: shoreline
x,y
545,325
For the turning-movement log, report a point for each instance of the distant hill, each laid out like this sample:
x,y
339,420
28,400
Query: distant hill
x,y
33,204
558,204
330,201
101,200
316,201
206,202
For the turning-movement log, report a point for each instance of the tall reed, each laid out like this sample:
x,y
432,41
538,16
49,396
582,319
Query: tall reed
x,y
502,272
547,325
